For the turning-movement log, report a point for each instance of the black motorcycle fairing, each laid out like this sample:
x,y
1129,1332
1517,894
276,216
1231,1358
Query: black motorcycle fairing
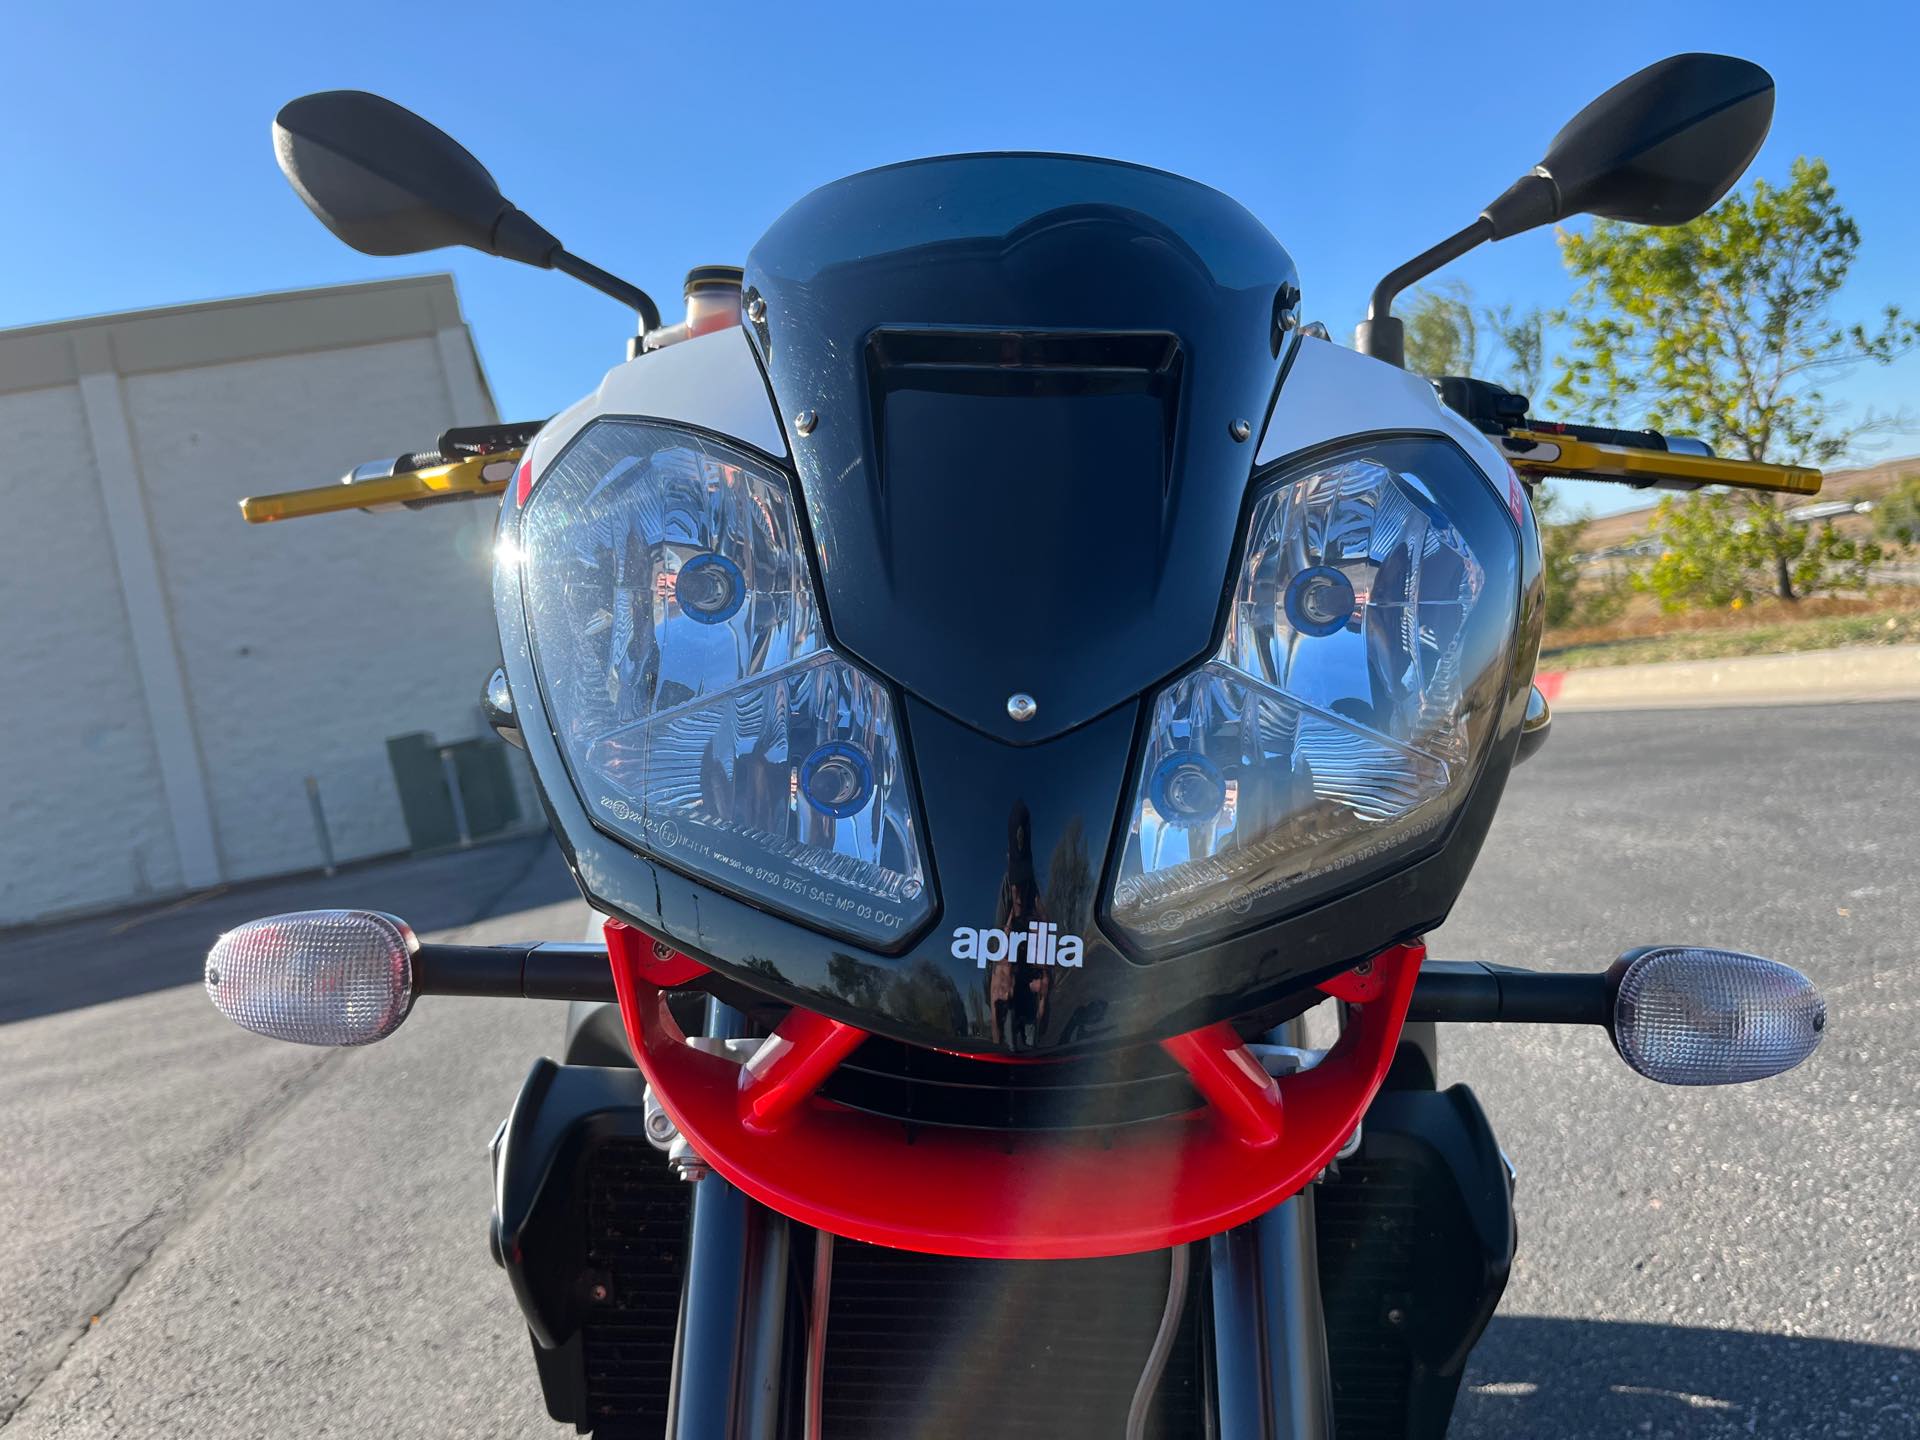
x,y
974,790
1022,465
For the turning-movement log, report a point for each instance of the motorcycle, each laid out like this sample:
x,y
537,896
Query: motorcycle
x,y
1005,679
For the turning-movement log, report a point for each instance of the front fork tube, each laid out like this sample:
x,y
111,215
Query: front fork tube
x,y
1269,1337
1268,1326
729,1349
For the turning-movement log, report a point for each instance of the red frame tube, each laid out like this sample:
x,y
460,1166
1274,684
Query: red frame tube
x,y
956,1191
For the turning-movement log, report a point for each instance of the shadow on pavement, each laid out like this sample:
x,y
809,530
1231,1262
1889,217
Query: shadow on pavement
x,y
49,968
1533,1376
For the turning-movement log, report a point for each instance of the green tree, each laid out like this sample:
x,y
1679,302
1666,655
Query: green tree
x,y
1726,328
1448,333
1443,334
1522,338
1559,547
1896,515
1714,554
1568,603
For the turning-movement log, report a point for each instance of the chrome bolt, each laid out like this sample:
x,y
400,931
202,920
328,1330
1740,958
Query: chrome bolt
x,y
1240,430
1022,707
805,421
660,1127
756,309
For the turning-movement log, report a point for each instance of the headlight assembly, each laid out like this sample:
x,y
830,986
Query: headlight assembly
x,y
1372,617
688,680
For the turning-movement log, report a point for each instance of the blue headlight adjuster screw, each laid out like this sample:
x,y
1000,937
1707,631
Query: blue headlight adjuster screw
x,y
710,588
1187,788
1319,601
837,779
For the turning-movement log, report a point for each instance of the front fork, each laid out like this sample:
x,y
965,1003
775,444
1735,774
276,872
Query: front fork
x,y
730,1349
733,1378
1269,1352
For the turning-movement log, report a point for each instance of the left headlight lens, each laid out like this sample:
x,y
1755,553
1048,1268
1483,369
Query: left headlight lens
x,y
686,674
1366,658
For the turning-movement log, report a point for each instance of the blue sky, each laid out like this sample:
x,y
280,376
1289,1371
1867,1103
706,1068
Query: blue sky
x,y
652,138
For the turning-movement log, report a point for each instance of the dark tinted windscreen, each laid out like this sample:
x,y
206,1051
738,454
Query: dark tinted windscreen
x,y
1027,371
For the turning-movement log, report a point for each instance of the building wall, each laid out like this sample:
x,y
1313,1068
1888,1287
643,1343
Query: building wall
x,y
171,700
85,820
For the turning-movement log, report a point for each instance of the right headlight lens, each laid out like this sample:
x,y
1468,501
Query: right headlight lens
x,y
690,684
1365,662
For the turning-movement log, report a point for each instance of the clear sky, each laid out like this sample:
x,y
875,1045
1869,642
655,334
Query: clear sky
x,y
651,138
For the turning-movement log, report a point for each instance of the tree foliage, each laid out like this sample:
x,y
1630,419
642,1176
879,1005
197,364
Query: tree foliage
x,y
1896,515
1725,328
1713,553
1567,603
1448,333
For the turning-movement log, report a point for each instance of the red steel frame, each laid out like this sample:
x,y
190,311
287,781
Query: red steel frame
x,y
1136,1187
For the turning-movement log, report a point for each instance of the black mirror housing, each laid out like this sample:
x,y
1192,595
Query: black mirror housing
x,y
1660,148
389,183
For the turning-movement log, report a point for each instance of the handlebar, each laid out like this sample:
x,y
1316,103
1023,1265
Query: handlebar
x,y
1644,459
465,463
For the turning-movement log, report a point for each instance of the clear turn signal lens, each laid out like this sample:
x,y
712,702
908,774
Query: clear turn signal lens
x,y
1686,1016
317,977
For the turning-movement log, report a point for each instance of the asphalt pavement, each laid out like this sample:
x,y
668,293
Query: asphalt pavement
x,y
203,1233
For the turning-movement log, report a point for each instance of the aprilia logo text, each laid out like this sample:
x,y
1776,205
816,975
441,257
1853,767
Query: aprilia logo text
x,y
1041,943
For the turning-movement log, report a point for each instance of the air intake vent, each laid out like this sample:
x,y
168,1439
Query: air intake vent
x,y
929,1087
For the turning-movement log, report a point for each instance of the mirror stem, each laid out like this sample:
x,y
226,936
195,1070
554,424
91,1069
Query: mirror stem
x,y
632,296
1381,335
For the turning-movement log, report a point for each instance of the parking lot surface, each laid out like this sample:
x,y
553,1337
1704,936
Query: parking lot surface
x,y
289,1242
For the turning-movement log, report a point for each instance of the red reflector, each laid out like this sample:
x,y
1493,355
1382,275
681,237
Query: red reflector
x,y
523,483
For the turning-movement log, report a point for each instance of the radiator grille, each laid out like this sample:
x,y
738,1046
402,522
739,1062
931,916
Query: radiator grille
x,y
921,1347
637,1217
1368,1221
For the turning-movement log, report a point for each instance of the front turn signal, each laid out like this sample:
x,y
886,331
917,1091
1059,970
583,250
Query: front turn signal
x,y
1687,1016
316,977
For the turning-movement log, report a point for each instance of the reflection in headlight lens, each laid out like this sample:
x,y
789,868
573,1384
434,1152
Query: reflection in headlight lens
x,y
688,680
1365,657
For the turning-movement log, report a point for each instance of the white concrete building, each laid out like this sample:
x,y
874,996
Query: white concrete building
x,y
171,674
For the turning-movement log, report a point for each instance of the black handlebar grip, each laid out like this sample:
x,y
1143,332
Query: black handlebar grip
x,y
1601,434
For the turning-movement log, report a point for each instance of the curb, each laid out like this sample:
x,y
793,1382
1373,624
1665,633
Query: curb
x,y
1811,677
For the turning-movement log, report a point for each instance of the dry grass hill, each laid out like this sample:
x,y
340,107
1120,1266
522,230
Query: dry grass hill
x,y
1863,483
